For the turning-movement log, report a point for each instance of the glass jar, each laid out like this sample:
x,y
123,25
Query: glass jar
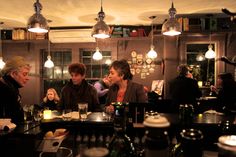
x,y
156,136
191,144
227,146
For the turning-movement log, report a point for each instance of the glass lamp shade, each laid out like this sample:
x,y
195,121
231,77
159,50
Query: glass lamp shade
x,y
101,30
152,53
49,63
200,57
2,63
171,27
108,62
97,55
210,53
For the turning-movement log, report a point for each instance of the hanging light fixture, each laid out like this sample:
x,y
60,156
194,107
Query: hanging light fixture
x,y
49,63
210,53
171,27
101,29
97,55
37,23
2,63
200,57
152,53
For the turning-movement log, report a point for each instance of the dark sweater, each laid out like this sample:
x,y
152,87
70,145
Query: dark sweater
x,y
10,100
72,94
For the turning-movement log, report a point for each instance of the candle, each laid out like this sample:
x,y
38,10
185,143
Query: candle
x,y
47,114
199,83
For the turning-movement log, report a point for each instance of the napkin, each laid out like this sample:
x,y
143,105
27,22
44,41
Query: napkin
x,y
6,124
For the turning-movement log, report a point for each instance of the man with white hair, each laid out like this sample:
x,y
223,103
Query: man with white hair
x,y
15,75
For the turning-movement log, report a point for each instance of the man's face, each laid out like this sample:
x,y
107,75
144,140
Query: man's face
x,y
21,76
76,78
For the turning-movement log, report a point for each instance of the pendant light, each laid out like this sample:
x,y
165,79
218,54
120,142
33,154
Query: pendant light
x,y
200,57
171,27
37,23
97,55
210,53
152,53
101,29
49,63
2,63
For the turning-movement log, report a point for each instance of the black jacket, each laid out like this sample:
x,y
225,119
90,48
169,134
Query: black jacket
x,y
72,94
184,90
134,93
10,100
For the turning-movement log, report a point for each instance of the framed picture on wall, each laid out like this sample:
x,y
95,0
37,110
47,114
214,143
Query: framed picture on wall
x,y
157,86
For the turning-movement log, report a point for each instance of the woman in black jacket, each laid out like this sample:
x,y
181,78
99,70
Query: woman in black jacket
x,y
51,100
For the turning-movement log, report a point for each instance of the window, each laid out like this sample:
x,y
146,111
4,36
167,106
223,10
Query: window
x,y
95,69
57,76
202,70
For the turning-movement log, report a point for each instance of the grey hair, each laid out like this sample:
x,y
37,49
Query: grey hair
x,y
14,64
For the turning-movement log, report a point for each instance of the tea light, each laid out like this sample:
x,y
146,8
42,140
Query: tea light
x,y
47,114
199,83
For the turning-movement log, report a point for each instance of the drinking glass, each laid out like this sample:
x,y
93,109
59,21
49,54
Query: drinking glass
x,y
67,114
38,115
28,109
83,109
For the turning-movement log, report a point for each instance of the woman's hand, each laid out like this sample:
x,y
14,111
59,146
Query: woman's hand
x,y
213,88
109,109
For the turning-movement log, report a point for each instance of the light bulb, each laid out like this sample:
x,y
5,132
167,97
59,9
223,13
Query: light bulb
x,y
97,55
49,63
2,63
152,53
210,53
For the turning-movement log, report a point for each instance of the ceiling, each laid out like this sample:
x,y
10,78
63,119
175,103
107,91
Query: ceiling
x,y
79,13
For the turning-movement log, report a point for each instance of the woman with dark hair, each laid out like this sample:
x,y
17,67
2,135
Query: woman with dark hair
x,y
123,89
226,93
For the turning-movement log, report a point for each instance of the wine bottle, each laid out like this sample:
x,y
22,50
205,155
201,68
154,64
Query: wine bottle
x,y
120,145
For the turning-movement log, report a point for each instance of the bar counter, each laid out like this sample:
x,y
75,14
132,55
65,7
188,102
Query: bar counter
x,y
25,138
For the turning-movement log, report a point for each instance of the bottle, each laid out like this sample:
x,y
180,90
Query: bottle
x,y
191,142
120,145
156,136
186,112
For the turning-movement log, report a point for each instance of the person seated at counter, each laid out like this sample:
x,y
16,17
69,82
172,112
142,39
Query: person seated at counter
x,y
51,100
78,90
123,89
183,89
102,87
15,75
226,92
